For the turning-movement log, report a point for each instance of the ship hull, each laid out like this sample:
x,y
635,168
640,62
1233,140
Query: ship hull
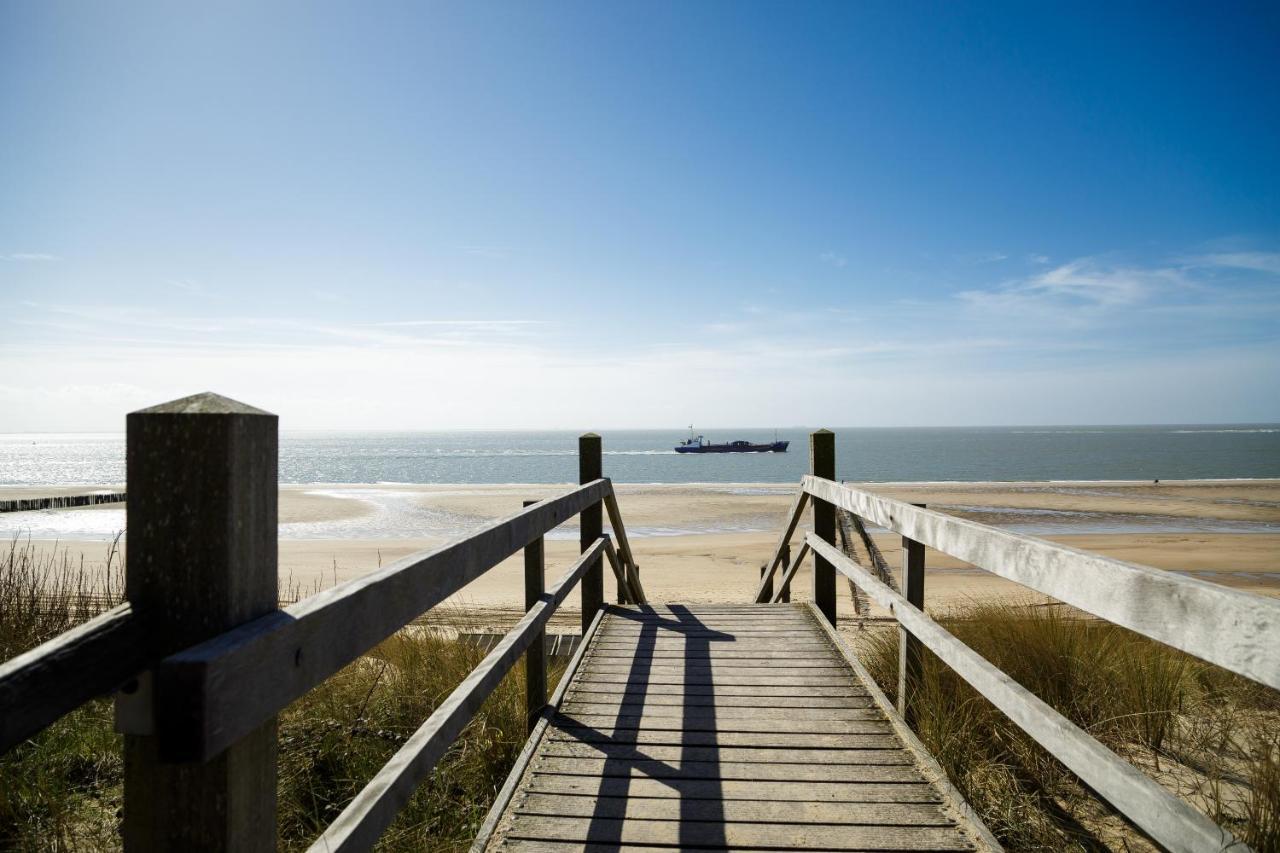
x,y
772,447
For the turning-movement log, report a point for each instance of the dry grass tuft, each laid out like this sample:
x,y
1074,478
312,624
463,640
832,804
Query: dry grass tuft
x,y
1203,732
62,789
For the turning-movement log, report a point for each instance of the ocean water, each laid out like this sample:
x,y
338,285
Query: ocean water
x,y
646,456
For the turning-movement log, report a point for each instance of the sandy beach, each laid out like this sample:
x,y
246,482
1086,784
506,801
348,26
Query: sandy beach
x,y
706,542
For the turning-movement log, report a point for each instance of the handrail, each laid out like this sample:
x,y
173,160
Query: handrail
x,y
43,684
1236,630
376,806
237,680
1162,815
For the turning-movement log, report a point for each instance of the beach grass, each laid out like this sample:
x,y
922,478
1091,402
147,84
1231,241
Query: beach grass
x,y
1210,736
62,790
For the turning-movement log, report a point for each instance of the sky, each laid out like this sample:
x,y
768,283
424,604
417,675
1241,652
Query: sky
x,y
593,215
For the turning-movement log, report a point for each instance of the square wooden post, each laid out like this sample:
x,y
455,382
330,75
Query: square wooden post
x,y
535,660
785,592
591,467
768,587
202,559
909,649
822,463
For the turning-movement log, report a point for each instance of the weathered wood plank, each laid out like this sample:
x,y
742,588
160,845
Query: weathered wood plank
x,y
526,756
721,712
742,680
245,676
1163,816
718,690
600,767
376,806
731,811
645,722
738,834
715,701
53,679
1236,630
777,739
789,791
718,754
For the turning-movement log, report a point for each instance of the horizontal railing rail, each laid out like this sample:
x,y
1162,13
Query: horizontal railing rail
x,y
1235,630
1150,806
237,680
181,704
376,806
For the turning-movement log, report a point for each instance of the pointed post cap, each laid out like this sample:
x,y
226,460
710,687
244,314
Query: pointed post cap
x,y
206,403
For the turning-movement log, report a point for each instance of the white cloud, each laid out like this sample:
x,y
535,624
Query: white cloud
x,y
1083,283
834,258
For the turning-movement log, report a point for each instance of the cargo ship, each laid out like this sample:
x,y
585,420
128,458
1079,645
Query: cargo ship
x,y
699,444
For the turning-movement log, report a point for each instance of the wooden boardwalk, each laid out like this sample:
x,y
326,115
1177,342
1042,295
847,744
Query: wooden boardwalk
x,y
722,727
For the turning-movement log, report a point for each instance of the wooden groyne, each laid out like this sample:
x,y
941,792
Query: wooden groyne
x,y
61,502
709,726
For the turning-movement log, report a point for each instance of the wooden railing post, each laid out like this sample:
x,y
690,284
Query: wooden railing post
x,y
535,660
822,463
785,593
767,589
591,467
909,649
202,559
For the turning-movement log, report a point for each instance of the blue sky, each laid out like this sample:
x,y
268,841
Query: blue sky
x,y
603,215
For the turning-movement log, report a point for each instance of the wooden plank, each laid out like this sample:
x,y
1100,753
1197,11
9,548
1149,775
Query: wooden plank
x,y
737,789
743,680
764,692
639,697
1159,813
523,760
607,723
591,525
713,653
682,770
723,754
776,739
1239,631
203,486
243,677
689,834
56,677
788,530
729,667
361,823
670,808
718,712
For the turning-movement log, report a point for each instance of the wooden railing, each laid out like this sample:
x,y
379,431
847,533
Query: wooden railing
x,y
1236,630
202,660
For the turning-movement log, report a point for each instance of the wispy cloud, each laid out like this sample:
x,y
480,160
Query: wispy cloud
x,y
1268,262
835,259
1085,283
29,256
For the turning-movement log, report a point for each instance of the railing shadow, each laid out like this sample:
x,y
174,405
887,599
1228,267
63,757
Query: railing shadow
x,y
701,795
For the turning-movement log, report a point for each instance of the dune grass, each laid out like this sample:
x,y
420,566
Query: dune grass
x,y
1210,736
62,790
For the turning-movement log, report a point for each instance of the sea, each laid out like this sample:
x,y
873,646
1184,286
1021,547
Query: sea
x,y
390,471
1008,454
